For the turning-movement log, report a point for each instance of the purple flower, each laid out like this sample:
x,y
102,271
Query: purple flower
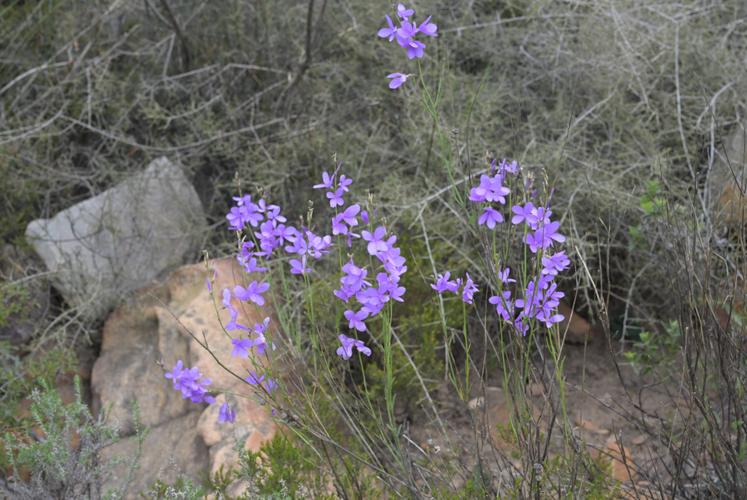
x,y
355,319
372,299
522,214
503,305
389,32
261,328
521,326
503,276
260,343
251,214
398,79
268,236
335,197
251,266
554,264
345,183
354,278
415,50
226,414
344,293
287,233
544,237
393,262
232,324
299,266
469,290
338,227
318,245
190,383
389,284
253,292
273,214
345,351
535,217
427,28
268,384
506,167
405,33
376,242
444,285
403,12
327,181
490,189
235,219
241,347
540,302
490,217
298,245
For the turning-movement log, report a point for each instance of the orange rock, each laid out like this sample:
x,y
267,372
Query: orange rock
x,y
732,205
574,328
168,322
623,468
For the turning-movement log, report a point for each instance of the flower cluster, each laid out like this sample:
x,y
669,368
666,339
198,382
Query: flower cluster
x,y
491,190
372,294
336,189
444,284
405,34
540,297
190,383
543,232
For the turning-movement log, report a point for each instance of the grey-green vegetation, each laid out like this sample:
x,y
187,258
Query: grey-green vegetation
x,y
621,105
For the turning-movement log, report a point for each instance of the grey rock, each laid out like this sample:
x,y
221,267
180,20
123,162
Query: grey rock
x,y
168,452
120,240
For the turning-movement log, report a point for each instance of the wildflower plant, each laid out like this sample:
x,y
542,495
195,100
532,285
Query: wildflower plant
x,y
409,36
350,254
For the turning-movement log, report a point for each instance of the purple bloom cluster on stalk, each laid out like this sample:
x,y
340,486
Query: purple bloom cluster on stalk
x,y
539,302
405,33
492,190
190,383
541,297
262,230
372,297
443,284
544,232
371,293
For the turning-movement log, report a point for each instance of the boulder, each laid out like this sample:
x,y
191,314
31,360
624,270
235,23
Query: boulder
x,y
169,451
143,339
120,240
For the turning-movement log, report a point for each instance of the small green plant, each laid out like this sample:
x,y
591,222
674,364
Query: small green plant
x,y
654,350
182,488
652,202
57,457
19,378
282,470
